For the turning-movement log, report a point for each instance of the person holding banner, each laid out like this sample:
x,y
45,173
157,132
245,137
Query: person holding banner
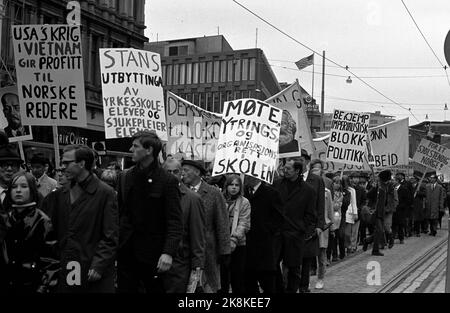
x,y
434,203
264,237
298,206
218,247
405,203
418,205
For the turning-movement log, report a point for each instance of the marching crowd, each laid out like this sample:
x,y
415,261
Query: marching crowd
x,y
173,228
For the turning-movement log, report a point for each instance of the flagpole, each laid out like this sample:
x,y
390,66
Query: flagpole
x,y
322,98
312,88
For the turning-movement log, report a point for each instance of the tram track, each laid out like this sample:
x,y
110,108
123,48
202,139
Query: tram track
x,y
434,253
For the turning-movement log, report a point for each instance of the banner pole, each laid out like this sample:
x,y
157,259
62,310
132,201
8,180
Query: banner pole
x,y
420,183
56,145
22,154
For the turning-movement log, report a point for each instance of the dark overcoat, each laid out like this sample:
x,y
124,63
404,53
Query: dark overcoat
x,y
264,236
87,232
299,208
191,251
419,204
434,201
318,185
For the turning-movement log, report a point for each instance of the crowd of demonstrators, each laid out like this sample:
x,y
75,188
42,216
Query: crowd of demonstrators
x,y
171,227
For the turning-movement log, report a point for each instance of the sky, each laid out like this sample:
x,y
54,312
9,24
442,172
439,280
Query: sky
x,y
376,39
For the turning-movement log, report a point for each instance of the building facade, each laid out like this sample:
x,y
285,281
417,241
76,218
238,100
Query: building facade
x,y
105,23
207,71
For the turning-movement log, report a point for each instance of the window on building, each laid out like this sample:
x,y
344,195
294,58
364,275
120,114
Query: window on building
x,y
209,102
237,70
178,50
223,98
175,74
195,72
202,72
209,70
95,66
237,95
216,102
216,71
163,74
245,69
169,74
223,71
189,97
201,100
230,71
189,73
252,71
229,95
182,73
195,98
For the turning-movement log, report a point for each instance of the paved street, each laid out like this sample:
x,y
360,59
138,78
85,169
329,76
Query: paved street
x,y
403,263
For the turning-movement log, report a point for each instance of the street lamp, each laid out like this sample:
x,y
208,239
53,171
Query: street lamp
x,y
349,80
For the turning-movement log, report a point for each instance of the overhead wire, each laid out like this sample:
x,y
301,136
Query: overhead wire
x,y
328,59
426,41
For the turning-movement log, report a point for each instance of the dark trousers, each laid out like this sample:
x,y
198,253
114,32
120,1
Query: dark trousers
x,y
417,227
378,235
399,227
441,214
341,240
433,225
134,276
234,272
266,280
293,279
332,250
305,273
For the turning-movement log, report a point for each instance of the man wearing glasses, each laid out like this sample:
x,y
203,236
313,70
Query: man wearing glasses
x,y
86,221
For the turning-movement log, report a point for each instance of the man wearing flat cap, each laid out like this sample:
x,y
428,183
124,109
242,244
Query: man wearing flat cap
x,y
218,247
44,183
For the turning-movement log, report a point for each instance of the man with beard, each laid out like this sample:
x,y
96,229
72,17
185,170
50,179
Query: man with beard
x,y
288,128
11,109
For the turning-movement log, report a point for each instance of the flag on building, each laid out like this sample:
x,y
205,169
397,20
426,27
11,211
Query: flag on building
x,y
305,62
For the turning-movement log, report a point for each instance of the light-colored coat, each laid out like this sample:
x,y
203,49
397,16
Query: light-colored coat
x,y
329,213
352,211
240,220
217,235
434,201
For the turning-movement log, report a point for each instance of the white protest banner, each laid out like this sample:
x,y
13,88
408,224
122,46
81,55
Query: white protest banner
x,y
295,133
348,137
432,155
133,98
390,143
50,79
248,140
191,130
321,145
10,117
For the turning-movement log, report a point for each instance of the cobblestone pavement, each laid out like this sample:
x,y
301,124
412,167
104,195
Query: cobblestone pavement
x,y
350,275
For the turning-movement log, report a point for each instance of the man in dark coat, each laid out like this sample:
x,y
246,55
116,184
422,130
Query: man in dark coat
x,y
218,237
190,257
312,246
418,204
298,200
404,207
434,203
264,237
151,224
85,220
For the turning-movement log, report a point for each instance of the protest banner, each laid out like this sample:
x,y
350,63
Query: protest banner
x,y
347,142
50,79
10,117
133,98
248,140
191,130
432,155
390,143
295,133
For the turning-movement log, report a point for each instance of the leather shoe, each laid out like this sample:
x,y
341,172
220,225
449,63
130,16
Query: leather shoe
x,y
378,253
